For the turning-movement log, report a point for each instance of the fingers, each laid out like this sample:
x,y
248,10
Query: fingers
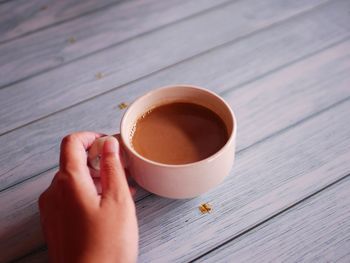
x,y
113,180
97,183
74,173
73,150
133,191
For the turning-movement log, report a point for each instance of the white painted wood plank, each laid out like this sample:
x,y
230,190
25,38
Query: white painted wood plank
x,y
24,155
174,231
305,86
277,173
18,17
77,82
317,230
50,48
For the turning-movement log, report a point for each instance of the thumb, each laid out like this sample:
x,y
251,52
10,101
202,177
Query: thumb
x,y
113,180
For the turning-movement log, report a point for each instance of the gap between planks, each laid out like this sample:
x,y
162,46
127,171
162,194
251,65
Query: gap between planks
x,y
55,110
276,134
219,92
311,77
298,201
120,42
255,192
65,20
277,214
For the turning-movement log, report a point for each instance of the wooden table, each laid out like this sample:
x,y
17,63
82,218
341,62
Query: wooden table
x,y
283,66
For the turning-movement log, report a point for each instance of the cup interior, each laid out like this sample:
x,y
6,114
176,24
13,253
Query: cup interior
x,y
169,94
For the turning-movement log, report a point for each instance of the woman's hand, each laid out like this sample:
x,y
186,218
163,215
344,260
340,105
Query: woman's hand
x,y
79,225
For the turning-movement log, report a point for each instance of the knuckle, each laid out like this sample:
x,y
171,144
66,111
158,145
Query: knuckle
x,y
121,201
62,181
108,169
69,167
126,203
109,164
68,139
122,197
109,156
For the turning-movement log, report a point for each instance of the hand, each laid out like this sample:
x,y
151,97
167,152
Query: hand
x,y
80,225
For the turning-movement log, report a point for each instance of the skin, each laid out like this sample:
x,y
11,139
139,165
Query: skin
x,y
80,225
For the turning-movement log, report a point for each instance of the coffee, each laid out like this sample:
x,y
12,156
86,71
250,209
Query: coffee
x,y
179,133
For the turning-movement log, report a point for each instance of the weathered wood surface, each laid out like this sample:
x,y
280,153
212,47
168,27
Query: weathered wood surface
x,y
272,98
22,17
146,54
283,66
253,191
230,66
317,230
69,41
243,201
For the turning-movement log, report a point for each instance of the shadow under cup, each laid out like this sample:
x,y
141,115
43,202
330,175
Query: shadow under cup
x,y
184,180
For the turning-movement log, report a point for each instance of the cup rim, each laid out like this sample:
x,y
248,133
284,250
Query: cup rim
x,y
206,160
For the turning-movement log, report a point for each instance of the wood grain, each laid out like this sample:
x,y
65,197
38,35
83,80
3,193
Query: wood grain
x,y
317,230
46,49
21,17
284,150
266,179
24,154
76,82
283,67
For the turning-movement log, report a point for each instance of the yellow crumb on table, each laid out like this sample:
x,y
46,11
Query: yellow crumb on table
x,y
99,75
205,208
122,105
72,40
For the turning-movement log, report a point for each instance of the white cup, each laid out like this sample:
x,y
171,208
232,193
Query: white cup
x,y
184,180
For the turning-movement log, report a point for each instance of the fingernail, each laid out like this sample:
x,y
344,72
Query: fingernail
x,y
111,145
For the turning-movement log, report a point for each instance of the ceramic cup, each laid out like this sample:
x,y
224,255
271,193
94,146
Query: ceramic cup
x,y
175,181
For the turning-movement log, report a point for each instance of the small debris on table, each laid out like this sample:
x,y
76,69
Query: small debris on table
x,y
123,105
44,7
99,75
72,40
205,208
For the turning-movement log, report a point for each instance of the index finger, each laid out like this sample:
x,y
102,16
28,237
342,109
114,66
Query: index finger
x,y
73,150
